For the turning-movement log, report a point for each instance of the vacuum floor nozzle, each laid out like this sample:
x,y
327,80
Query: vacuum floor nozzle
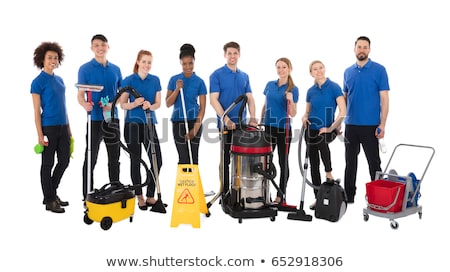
x,y
299,215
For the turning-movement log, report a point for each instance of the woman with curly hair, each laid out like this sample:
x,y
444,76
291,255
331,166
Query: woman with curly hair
x,y
52,125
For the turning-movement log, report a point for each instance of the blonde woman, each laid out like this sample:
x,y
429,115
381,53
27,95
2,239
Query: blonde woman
x,y
280,104
322,127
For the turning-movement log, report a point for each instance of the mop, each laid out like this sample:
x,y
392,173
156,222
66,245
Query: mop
x,y
186,127
193,169
300,213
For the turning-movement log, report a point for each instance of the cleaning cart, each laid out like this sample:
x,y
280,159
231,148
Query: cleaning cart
x,y
392,195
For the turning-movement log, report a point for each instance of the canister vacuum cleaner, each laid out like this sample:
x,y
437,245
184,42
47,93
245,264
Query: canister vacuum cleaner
x,y
115,201
248,194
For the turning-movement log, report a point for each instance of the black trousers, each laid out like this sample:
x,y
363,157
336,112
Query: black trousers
x,y
178,131
282,144
138,135
59,145
109,133
357,136
318,148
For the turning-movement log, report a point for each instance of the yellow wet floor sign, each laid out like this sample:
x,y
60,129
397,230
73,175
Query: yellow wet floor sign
x,y
189,199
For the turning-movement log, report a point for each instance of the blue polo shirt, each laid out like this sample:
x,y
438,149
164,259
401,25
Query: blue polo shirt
x,y
363,86
52,90
230,85
323,104
148,88
108,76
276,104
193,87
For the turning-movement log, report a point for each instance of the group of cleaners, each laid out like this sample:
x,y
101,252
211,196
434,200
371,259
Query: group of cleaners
x,y
362,103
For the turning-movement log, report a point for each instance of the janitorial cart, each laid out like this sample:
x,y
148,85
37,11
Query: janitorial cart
x,y
395,194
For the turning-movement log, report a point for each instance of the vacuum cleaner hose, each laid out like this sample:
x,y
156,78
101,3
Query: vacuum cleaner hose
x,y
133,92
269,173
304,165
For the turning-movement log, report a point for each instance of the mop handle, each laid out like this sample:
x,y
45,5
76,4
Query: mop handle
x,y
183,105
89,96
89,146
287,126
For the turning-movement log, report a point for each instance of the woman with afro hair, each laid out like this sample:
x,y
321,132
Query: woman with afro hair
x,y
52,125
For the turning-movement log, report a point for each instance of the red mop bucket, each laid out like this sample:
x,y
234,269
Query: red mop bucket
x,y
385,195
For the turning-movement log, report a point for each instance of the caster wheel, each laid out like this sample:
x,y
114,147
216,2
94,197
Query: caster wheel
x,y
87,220
208,214
366,217
394,225
240,220
272,218
106,223
420,215
131,219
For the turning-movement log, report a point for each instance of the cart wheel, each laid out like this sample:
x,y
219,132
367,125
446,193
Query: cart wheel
x,y
106,223
420,215
87,220
131,219
394,224
208,214
240,220
272,218
366,217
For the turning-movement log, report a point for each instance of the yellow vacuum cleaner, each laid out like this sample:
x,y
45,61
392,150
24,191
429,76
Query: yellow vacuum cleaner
x,y
114,201
111,203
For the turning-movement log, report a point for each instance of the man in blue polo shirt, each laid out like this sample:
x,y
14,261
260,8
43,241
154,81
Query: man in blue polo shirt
x,y
366,89
99,71
227,83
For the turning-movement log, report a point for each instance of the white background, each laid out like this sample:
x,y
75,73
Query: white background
x,y
408,38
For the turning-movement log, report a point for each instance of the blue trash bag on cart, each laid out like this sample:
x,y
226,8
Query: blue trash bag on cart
x,y
415,183
412,202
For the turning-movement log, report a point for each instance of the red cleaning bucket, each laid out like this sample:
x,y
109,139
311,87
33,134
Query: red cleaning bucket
x,y
385,195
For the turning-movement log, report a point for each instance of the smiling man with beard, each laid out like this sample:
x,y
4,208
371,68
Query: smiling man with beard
x,y
366,90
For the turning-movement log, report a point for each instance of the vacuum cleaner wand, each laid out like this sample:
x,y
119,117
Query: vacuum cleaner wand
x,y
159,206
222,146
300,214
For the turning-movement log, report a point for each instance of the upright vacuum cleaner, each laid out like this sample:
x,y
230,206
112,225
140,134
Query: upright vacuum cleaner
x,y
248,194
